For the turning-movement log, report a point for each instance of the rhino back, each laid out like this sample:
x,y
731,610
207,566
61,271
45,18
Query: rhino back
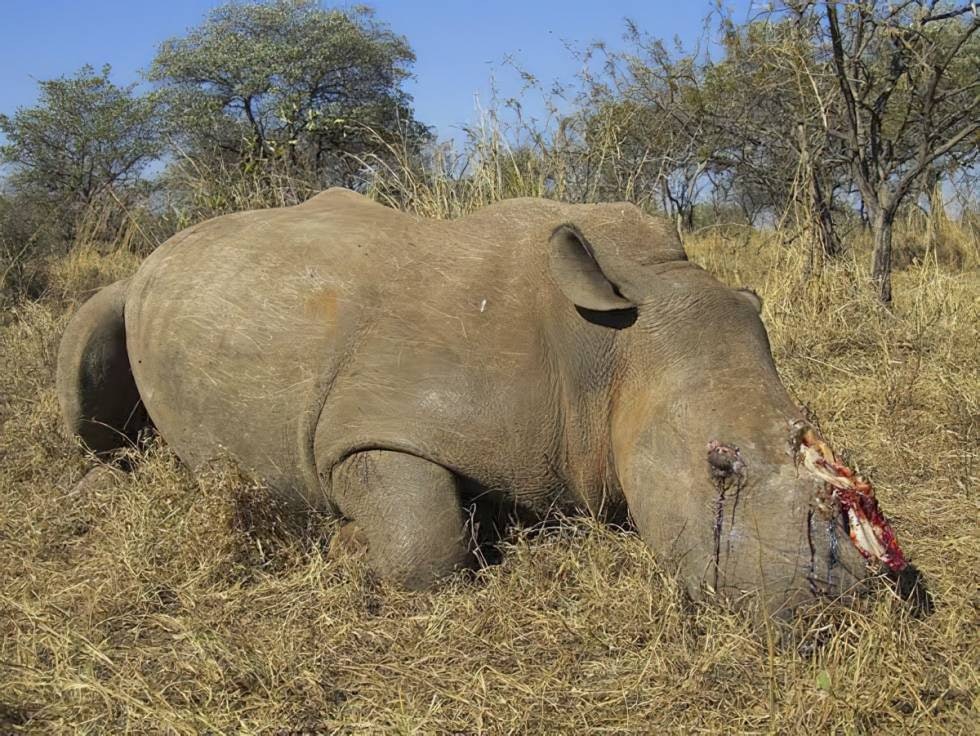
x,y
399,331
291,338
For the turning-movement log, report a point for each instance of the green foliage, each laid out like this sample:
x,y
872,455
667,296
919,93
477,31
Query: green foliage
x,y
286,86
84,136
74,166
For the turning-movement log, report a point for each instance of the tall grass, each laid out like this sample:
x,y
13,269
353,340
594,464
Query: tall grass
x,y
153,602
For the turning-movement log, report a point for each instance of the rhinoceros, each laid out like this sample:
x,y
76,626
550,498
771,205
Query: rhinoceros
x,y
392,369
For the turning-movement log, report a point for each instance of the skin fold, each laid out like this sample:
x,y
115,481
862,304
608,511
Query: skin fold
x,y
392,369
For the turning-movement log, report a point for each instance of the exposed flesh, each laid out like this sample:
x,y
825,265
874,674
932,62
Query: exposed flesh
x,y
851,496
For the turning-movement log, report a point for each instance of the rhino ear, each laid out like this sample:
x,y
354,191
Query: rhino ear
x,y
579,275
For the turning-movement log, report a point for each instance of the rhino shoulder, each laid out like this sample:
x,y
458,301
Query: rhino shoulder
x,y
337,200
335,197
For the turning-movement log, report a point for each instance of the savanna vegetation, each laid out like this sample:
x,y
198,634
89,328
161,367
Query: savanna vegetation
x,y
823,154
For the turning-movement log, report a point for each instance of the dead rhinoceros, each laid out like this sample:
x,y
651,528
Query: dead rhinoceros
x,y
391,369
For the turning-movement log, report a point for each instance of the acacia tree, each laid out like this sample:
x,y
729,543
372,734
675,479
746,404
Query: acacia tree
x,y
768,98
84,136
672,125
642,124
288,82
909,100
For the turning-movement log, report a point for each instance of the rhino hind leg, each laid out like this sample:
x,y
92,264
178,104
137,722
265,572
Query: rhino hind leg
x,y
408,512
99,399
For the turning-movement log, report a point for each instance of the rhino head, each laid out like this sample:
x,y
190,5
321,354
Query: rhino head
x,y
705,443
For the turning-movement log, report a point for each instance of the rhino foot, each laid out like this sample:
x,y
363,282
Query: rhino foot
x,y
349,542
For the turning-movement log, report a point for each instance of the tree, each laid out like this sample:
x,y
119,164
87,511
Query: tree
x,y
810,107
909,100
641,127
749,126
768,100
84,136
290,83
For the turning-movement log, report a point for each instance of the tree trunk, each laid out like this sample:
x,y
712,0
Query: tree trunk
x,y
258,142
881,256
819,206
829,242
933,190
689,218
937,207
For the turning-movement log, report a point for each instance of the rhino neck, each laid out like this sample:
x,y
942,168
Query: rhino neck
x,y
585,360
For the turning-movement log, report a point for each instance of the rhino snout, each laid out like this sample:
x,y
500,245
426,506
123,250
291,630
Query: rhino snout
x,y
769,538
728,471
833,568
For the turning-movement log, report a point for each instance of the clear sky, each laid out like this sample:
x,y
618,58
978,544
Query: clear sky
x,y
458,44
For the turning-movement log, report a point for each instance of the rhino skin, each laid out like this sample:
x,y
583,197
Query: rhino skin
x,y
391,369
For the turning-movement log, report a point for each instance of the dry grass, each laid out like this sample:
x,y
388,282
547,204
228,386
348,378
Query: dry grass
x,y
154,603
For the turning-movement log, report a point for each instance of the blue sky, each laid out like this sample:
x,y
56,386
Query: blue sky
x,y
458,44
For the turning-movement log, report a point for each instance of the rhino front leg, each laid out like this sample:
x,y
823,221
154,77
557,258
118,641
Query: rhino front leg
x,y
408,510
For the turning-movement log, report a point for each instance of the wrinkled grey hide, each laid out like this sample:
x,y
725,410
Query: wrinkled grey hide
x,y
389,368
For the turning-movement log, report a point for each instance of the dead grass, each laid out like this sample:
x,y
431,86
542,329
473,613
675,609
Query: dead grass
x,y
155,603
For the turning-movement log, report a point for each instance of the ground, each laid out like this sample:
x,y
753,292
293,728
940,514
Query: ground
x,y
152,602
